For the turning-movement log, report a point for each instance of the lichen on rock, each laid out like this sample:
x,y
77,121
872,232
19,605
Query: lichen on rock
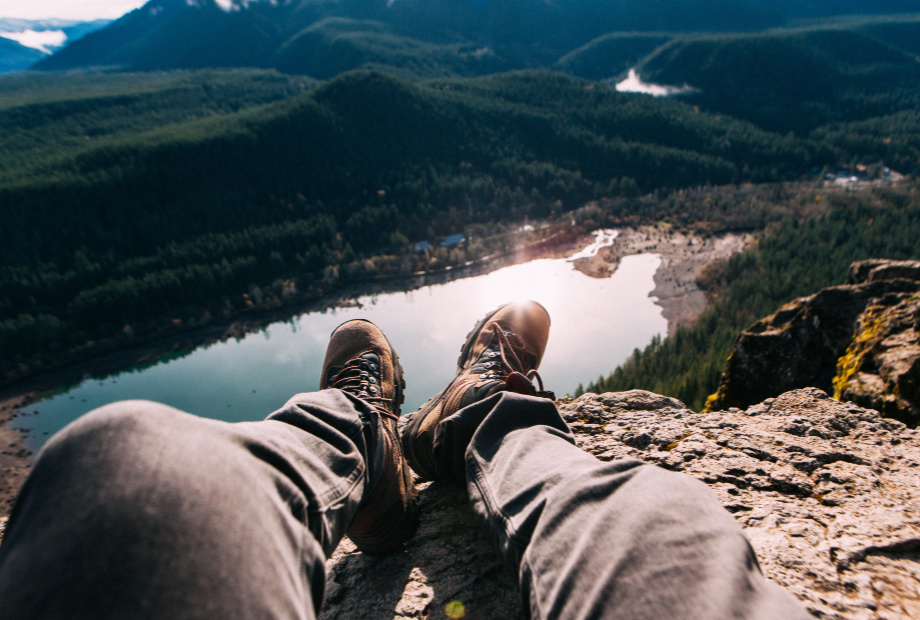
x,y
881,367
858,341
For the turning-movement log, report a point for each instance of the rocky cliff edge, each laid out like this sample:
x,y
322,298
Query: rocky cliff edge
x,y
826,491
859,341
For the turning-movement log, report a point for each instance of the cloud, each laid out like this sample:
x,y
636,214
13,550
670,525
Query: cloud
x,y
42,40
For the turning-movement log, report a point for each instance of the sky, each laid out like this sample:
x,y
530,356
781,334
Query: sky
x,y
67,9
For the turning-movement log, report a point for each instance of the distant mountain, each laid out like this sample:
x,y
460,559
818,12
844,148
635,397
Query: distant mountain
x,y
74,29
421,38
108,46
336,45
16,57
610,55
797,80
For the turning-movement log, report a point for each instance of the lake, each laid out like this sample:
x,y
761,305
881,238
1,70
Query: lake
x,y
596,324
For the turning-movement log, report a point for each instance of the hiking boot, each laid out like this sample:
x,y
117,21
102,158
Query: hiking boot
x,y
361,361
501,354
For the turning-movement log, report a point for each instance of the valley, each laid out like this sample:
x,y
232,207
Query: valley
x,y
269,359
202,169
193,195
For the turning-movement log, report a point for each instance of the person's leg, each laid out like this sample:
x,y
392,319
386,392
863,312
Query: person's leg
x,y
141,510
589,539
586,539
138,510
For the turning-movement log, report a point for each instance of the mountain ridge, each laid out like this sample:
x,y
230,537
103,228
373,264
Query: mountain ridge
x,y
15,56
170,34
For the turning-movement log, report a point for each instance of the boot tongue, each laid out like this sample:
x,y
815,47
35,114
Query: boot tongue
x,y
519,383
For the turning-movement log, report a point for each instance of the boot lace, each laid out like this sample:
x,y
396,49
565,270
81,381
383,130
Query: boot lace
x,y
506,359
360,376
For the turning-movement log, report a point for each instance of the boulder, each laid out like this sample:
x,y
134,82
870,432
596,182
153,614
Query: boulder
x,y
807,343
826,491
881,367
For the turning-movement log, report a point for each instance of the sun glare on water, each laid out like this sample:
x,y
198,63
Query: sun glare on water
x,y
527,281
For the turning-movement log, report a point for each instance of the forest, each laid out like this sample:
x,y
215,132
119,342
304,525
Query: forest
x,y
139,204
796,256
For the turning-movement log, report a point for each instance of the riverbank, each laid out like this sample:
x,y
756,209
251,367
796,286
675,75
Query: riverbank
x,y
683,257
16,460
15,463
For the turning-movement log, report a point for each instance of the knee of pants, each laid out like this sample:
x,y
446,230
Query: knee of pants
x,y
125,422
126,440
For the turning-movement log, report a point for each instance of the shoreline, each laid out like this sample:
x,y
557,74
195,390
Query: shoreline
x,y
151,350
682,255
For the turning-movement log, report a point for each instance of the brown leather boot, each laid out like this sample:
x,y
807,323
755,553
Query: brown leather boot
x,y
361,361
501,354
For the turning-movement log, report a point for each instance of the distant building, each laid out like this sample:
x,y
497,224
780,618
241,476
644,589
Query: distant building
x,y
422,246
452,241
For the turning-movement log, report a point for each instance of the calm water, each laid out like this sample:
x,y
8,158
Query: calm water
x,y
596,324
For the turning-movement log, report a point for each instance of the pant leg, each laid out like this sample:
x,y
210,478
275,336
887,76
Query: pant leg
x,y
589,539
138,510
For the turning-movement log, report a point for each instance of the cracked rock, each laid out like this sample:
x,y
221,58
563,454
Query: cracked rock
x,y
833,512
859,341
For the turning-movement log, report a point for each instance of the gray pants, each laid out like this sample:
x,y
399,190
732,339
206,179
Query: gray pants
x,y
139,510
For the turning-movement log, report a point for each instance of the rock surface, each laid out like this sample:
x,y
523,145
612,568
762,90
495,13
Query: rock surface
x,y
858,341
881,367
449,560
827,492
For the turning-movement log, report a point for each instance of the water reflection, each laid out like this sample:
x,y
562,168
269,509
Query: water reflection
x,y
634,84
602,239
596,324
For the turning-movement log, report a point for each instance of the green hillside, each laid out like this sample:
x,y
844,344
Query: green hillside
x,y
610,55
15,57
368,131
52,117
893,139
159,211
901,33
336,45
791,80
139,203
